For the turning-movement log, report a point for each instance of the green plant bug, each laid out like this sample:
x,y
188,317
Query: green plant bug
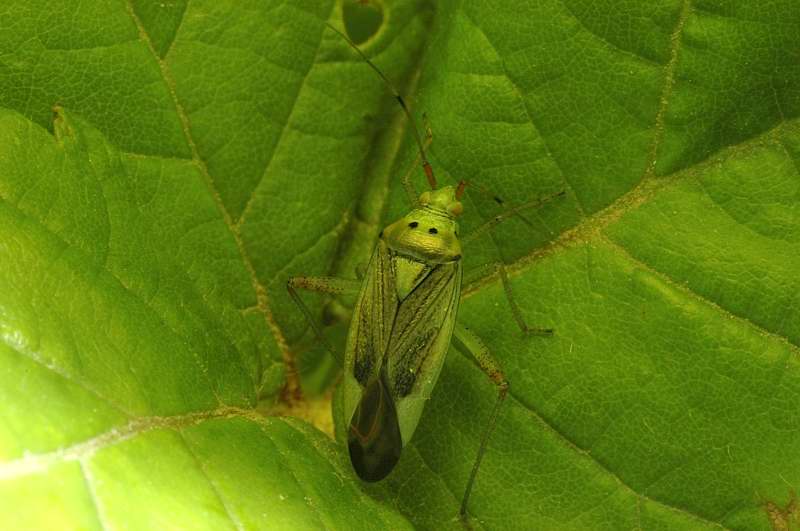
x,y
404,320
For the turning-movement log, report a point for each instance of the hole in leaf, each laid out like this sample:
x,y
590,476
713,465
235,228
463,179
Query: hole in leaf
x,y
362,19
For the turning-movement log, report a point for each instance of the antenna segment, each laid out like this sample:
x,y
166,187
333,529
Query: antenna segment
x,y
425,164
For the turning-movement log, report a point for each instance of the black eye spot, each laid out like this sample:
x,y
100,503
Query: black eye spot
x,y
413,224
433,230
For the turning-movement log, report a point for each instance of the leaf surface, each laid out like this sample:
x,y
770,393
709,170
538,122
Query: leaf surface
x,y
201,153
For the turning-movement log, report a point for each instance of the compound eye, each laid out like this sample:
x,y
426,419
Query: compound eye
x,y
456,208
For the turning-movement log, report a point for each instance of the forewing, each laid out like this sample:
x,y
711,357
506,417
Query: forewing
x,y
372,320
416,347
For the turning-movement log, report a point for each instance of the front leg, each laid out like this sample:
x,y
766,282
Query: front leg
x,y
500,269
506,215
329,285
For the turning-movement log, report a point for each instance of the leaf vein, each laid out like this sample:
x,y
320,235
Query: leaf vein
x,y
152,310
300,485
57,370
588,455
607,43
231,516
89,482
529,115
248,205
35,463
258,289
449,489
336,465
666,93
795,348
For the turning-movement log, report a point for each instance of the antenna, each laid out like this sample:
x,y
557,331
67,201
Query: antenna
x,y
425,164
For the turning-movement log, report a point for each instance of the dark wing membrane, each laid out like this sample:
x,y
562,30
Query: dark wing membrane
x,y
375,313
417,324
374,438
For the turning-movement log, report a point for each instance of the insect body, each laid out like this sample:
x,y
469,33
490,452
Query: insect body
x,y
404,321
401,330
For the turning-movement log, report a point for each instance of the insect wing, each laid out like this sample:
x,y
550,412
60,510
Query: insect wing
x,y
395,351
369,412
373,437
370,328
420,339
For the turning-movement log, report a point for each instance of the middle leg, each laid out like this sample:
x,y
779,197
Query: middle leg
x,y
500,269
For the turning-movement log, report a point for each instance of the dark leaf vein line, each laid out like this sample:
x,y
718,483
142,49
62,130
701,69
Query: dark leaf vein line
x,y
605,42
588,455
529,116
248,206
259,290
337,469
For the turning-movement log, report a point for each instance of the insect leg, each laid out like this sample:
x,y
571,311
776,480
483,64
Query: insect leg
x,y
516,311
468,342
507,214
330,285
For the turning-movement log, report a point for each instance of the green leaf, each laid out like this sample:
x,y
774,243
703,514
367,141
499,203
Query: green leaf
x,y
203,152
